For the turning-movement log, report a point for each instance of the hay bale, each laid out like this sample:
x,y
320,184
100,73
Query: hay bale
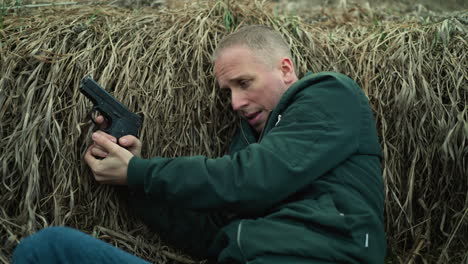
x,y
158,63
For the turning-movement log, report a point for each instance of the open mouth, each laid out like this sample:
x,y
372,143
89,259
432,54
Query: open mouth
x,y
252,117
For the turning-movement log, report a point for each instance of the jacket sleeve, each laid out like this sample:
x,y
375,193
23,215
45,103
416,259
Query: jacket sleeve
x,y
188,230
318,131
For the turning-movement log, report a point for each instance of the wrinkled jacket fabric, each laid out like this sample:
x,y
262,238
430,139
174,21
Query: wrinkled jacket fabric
x,y
309,190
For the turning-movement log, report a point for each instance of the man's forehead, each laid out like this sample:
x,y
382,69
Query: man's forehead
x,y
230,62
229,58
229,71
240,54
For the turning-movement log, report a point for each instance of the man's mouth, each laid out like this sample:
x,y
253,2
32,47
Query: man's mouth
x,y
252,118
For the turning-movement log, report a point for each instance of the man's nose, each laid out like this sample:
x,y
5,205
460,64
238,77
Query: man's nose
x,y
238,102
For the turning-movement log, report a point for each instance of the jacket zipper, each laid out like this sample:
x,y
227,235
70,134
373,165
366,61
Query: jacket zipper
x,y
239,230
243,133
263,130
264,127
239,227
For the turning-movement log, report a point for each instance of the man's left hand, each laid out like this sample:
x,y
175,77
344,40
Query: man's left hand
x,y
113,168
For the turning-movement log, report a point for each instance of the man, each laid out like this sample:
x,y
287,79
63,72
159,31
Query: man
x,y
301,184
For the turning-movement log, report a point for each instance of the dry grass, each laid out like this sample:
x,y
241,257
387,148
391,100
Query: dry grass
x,y
157,62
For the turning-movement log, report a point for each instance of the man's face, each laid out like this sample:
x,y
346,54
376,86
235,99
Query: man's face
x,y
255,87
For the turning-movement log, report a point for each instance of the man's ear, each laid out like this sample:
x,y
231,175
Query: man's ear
x,y
287,70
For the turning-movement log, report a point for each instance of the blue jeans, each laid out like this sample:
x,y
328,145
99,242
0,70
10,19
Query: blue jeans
x,y
67,245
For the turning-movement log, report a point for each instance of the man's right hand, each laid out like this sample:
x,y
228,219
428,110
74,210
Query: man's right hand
x,y
131,143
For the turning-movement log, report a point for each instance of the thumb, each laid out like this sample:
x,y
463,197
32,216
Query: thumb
x,y
127,141
131,143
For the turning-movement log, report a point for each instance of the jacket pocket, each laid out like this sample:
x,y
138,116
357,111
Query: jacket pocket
x,y
312,229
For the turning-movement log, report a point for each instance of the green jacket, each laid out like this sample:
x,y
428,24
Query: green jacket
x,y
309,190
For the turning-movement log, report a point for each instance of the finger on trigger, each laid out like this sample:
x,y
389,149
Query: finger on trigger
x,y
99,119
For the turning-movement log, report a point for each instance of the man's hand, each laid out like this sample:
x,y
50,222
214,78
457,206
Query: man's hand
x,y
129,142
113,168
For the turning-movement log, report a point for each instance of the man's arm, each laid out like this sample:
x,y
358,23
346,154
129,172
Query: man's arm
x,y
305,145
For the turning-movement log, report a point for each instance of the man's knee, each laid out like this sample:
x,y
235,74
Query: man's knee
x,y
56,234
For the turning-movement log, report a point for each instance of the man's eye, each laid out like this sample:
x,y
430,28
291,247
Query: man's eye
x,y
244,83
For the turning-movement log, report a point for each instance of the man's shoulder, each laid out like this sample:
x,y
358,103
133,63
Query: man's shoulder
x,y
322,83
334,77
333,74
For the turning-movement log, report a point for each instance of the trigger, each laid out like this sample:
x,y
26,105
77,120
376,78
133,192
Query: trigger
x,y
93,114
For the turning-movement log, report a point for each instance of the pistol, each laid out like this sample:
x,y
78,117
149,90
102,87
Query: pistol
x,y
121,121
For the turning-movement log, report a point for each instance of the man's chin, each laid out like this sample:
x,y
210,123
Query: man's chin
x,y
259,128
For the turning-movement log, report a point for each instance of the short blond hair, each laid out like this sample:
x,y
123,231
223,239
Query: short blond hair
x,y
267,44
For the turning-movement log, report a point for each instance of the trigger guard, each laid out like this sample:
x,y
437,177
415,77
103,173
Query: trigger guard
x,y
90,115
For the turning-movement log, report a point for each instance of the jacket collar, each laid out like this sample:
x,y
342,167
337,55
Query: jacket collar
x,y
275,115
